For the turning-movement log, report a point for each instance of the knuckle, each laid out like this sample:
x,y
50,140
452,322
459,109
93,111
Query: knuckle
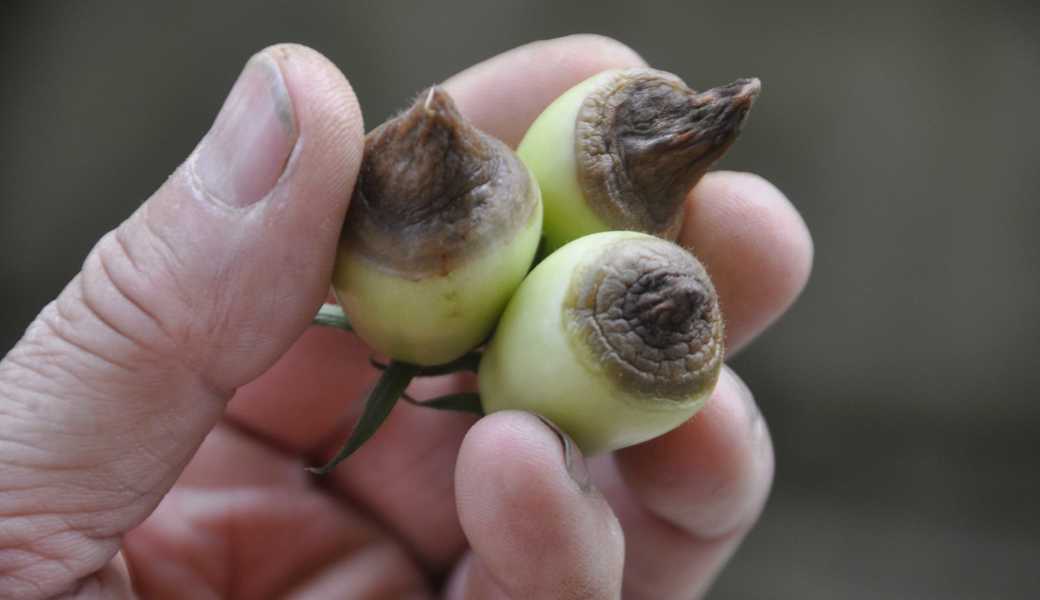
x,y
117,319
137,293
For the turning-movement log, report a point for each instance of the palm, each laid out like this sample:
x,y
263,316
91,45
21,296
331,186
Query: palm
x,y
247,510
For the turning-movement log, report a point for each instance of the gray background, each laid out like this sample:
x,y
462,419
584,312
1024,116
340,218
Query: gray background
x,y
901,389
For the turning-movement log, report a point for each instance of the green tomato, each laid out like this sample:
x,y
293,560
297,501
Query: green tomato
x,y
443,226
437,318
548,149
622,149
616,337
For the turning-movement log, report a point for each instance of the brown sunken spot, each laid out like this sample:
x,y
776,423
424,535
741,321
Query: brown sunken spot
x,y
647,311
643,139
434,190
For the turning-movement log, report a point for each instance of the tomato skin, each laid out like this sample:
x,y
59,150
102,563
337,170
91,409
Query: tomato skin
x,y
535,363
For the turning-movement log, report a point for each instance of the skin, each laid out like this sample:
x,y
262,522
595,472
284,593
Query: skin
x,y
214,405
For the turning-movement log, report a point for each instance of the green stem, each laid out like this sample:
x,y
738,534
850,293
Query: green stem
x,y
380,402
331,315
467,362
462,402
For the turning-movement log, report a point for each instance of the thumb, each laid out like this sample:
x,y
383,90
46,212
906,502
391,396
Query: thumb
x,y
118,380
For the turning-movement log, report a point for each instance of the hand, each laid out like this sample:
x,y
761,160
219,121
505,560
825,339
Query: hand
x,y
157,417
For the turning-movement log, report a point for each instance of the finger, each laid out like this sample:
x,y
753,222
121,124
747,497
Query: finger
x,y
537,527
118,380
403,474
686,499
755,245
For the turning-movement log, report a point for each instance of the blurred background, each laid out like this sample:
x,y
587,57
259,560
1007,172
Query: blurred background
x,y
901,390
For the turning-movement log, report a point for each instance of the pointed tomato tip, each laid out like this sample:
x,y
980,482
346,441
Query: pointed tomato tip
x,y
742,92
435,102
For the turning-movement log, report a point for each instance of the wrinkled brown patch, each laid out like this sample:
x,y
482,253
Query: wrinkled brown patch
x,y
648,313
433,190
643,139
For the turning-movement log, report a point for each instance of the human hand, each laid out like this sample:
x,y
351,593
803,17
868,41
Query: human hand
x,y
157,417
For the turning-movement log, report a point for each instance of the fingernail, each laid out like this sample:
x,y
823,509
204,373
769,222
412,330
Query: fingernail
x,y
245,152
573,460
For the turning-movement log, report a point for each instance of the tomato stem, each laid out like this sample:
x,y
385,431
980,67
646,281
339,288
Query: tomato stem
x,y
331,315
392,383
461,402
